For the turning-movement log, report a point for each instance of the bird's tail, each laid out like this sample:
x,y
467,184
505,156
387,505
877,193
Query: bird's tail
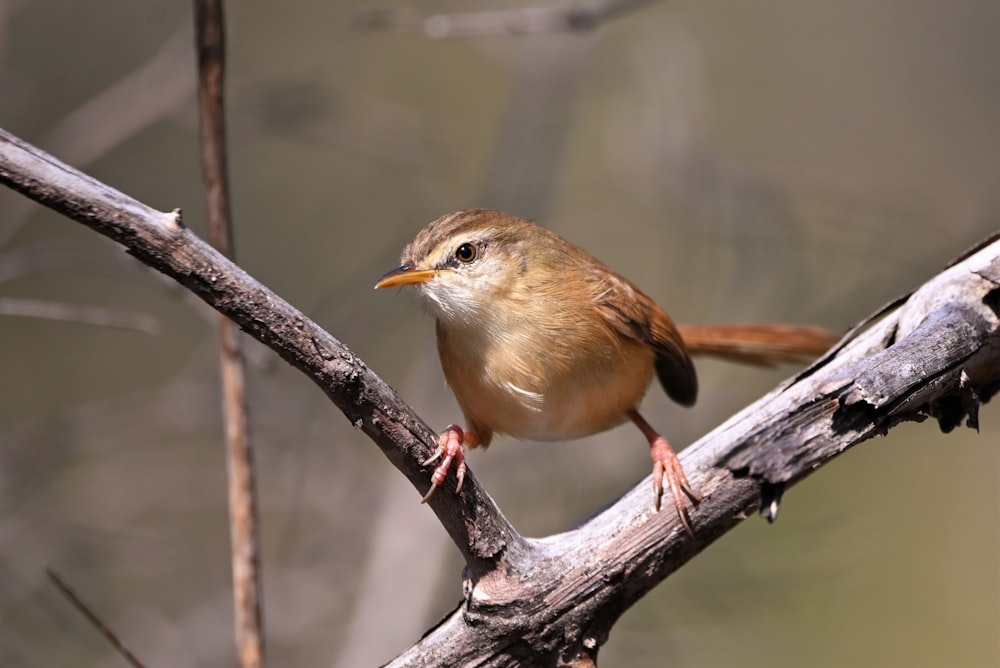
x,y
763,345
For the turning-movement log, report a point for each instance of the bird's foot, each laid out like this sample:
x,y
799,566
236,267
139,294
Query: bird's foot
x,y
449,449
667,468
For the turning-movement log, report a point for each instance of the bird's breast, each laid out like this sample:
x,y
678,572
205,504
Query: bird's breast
x,y
543,383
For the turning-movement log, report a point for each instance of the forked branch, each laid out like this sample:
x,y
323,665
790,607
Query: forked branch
x,y
553,600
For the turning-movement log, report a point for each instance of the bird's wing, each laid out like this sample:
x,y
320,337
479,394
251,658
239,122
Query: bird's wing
x,y
635,315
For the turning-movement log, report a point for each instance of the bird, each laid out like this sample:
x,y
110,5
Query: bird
x,y
539,340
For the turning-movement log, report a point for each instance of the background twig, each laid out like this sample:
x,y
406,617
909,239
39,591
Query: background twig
x,y
531,20
100,317
92,617
243,522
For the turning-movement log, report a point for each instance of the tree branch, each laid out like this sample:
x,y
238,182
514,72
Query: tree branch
x,y
160,240
552,601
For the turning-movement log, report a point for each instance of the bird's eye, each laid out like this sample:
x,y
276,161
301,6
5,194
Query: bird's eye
x,y
466,253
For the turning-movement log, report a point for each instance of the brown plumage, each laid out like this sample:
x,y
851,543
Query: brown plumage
x,y
540,340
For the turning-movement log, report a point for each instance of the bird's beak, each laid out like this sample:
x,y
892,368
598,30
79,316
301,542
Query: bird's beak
x,y
405,275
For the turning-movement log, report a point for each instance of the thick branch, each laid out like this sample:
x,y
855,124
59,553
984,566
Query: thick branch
x,y
553,601
937,354
161,241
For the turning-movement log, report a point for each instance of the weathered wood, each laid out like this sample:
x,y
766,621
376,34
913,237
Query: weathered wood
x,y
935,355
161,241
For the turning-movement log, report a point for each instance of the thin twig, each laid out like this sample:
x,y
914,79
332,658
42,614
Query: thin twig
x,y
526,21
81,315
92,617
24,261
210,37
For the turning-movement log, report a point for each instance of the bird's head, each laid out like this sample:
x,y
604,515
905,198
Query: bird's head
x,y
466,264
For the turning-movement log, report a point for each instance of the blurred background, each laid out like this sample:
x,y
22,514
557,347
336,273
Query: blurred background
x,y
762,161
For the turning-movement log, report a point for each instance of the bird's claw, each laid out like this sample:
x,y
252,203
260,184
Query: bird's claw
x,y
667,467
449,449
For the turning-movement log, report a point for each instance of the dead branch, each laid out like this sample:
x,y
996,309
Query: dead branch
x,y
552,601
162,241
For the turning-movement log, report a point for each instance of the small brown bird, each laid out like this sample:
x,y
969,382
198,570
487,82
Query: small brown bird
x,y
539,340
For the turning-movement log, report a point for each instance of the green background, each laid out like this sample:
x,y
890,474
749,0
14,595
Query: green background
x,y
742,161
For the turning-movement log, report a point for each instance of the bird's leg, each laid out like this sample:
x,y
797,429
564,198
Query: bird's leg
x,y
666,466
449,449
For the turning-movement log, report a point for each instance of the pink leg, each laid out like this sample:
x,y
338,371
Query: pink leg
x,y
450,448
666,467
